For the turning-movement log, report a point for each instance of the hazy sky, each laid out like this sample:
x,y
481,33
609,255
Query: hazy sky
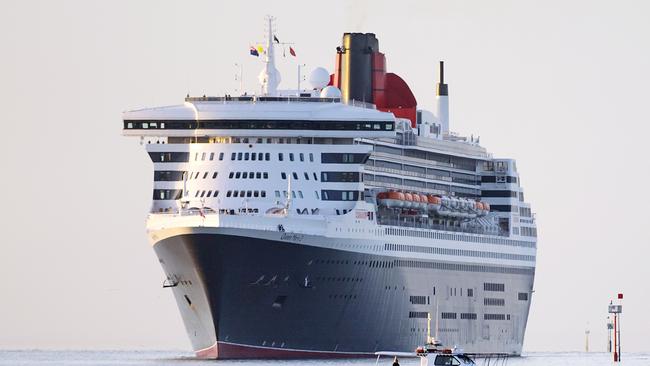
x,y
561,86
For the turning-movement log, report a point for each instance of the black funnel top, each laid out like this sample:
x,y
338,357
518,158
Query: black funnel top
x,y
442,89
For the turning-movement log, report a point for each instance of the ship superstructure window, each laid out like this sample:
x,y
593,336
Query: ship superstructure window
x,y
295,175
290,156
169,157
167,194
336,195
498,287
343,158
448,315
220,156
499,193
283,175
493,302
280,156
522,296
205,175
525,212
503,208
502,179
168,175
340,177
494,316
260,124
214,175
468,316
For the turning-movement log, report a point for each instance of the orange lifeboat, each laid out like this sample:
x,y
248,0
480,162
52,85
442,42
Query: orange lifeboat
x,y
416,201
479,206
390,199
408,200
486,207
424,201
433,203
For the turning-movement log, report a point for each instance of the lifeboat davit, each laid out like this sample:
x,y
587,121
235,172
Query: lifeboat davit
x,y
433,203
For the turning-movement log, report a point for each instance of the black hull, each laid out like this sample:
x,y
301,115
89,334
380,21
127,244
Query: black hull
x,y
243,297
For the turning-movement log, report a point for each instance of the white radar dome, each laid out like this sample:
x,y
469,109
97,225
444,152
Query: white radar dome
x,y
330,92
319,78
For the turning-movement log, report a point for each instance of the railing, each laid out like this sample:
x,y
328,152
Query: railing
x,y
413,222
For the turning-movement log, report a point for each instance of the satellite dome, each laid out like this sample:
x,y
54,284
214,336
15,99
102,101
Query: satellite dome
x,y
330,92
319,78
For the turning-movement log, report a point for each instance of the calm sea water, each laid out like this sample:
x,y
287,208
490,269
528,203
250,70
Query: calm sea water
x,y
125,358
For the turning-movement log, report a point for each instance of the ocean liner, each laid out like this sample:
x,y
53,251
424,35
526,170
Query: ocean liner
x,y
333,221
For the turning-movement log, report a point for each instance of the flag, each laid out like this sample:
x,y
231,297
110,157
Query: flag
x,y
620,296
260,49
276,39
292,52
254,52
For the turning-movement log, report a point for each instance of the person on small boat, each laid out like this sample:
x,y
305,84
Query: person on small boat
x,y
395,361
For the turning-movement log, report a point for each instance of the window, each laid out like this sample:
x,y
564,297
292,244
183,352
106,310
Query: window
x,y
293,194
283,175
340,176
253,156
306,176
316,193
267,156
468,316
246,156
197,194
470,292
169,157
445,360
300,194
493,302
209,194
498,287
196,156
448,315
168,175
290,156
280,156
251,175
302,157
336,195
228,193
295,175
523,296
277,194
315,176
249,194
203,157
311,157
265,175
494,316
418,300
220,156
256,193
214,175
343,158
212,156
237,175
258,175
231,175
167,194
235,193
263,194
205,175
239,156
232,157
244,175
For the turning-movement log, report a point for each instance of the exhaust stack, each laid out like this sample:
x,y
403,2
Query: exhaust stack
x,y
442,101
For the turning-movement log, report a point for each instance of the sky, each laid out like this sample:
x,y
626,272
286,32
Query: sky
x,y
563,87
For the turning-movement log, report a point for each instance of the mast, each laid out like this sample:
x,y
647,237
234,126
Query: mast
x,y
269,76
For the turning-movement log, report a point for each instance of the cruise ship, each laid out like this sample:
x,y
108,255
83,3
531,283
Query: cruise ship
x,y
335,221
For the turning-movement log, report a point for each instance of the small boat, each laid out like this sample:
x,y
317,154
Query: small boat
x,y
433,353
